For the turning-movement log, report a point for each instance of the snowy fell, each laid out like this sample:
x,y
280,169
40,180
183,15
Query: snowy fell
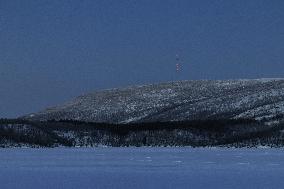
x,y
260,99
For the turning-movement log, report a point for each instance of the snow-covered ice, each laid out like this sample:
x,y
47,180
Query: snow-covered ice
x,y
141,168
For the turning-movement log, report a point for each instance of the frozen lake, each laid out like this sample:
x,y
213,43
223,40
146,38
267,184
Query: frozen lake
x,y
141,168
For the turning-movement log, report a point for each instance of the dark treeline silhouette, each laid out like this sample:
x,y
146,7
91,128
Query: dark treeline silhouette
x,y
215,132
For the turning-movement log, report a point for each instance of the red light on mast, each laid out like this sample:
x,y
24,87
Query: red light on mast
x,y
177,67
177,64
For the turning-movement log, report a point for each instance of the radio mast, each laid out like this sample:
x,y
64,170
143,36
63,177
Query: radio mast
x,y
177,63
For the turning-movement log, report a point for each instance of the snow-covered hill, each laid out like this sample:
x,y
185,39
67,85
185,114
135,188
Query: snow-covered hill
x,y
176,101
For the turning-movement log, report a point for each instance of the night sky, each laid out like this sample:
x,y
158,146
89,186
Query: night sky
x,y
51,51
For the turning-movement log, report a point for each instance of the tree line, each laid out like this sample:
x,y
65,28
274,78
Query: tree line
x,y
196,133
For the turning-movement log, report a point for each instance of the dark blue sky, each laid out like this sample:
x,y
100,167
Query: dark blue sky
x,y
51,51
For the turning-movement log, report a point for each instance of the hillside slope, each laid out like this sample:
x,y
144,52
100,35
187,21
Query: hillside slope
x,y
176,101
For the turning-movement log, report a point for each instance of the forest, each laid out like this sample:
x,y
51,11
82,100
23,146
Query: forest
x,y
196,133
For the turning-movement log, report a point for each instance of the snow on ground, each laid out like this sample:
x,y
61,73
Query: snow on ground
x,y
175,101
141,168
